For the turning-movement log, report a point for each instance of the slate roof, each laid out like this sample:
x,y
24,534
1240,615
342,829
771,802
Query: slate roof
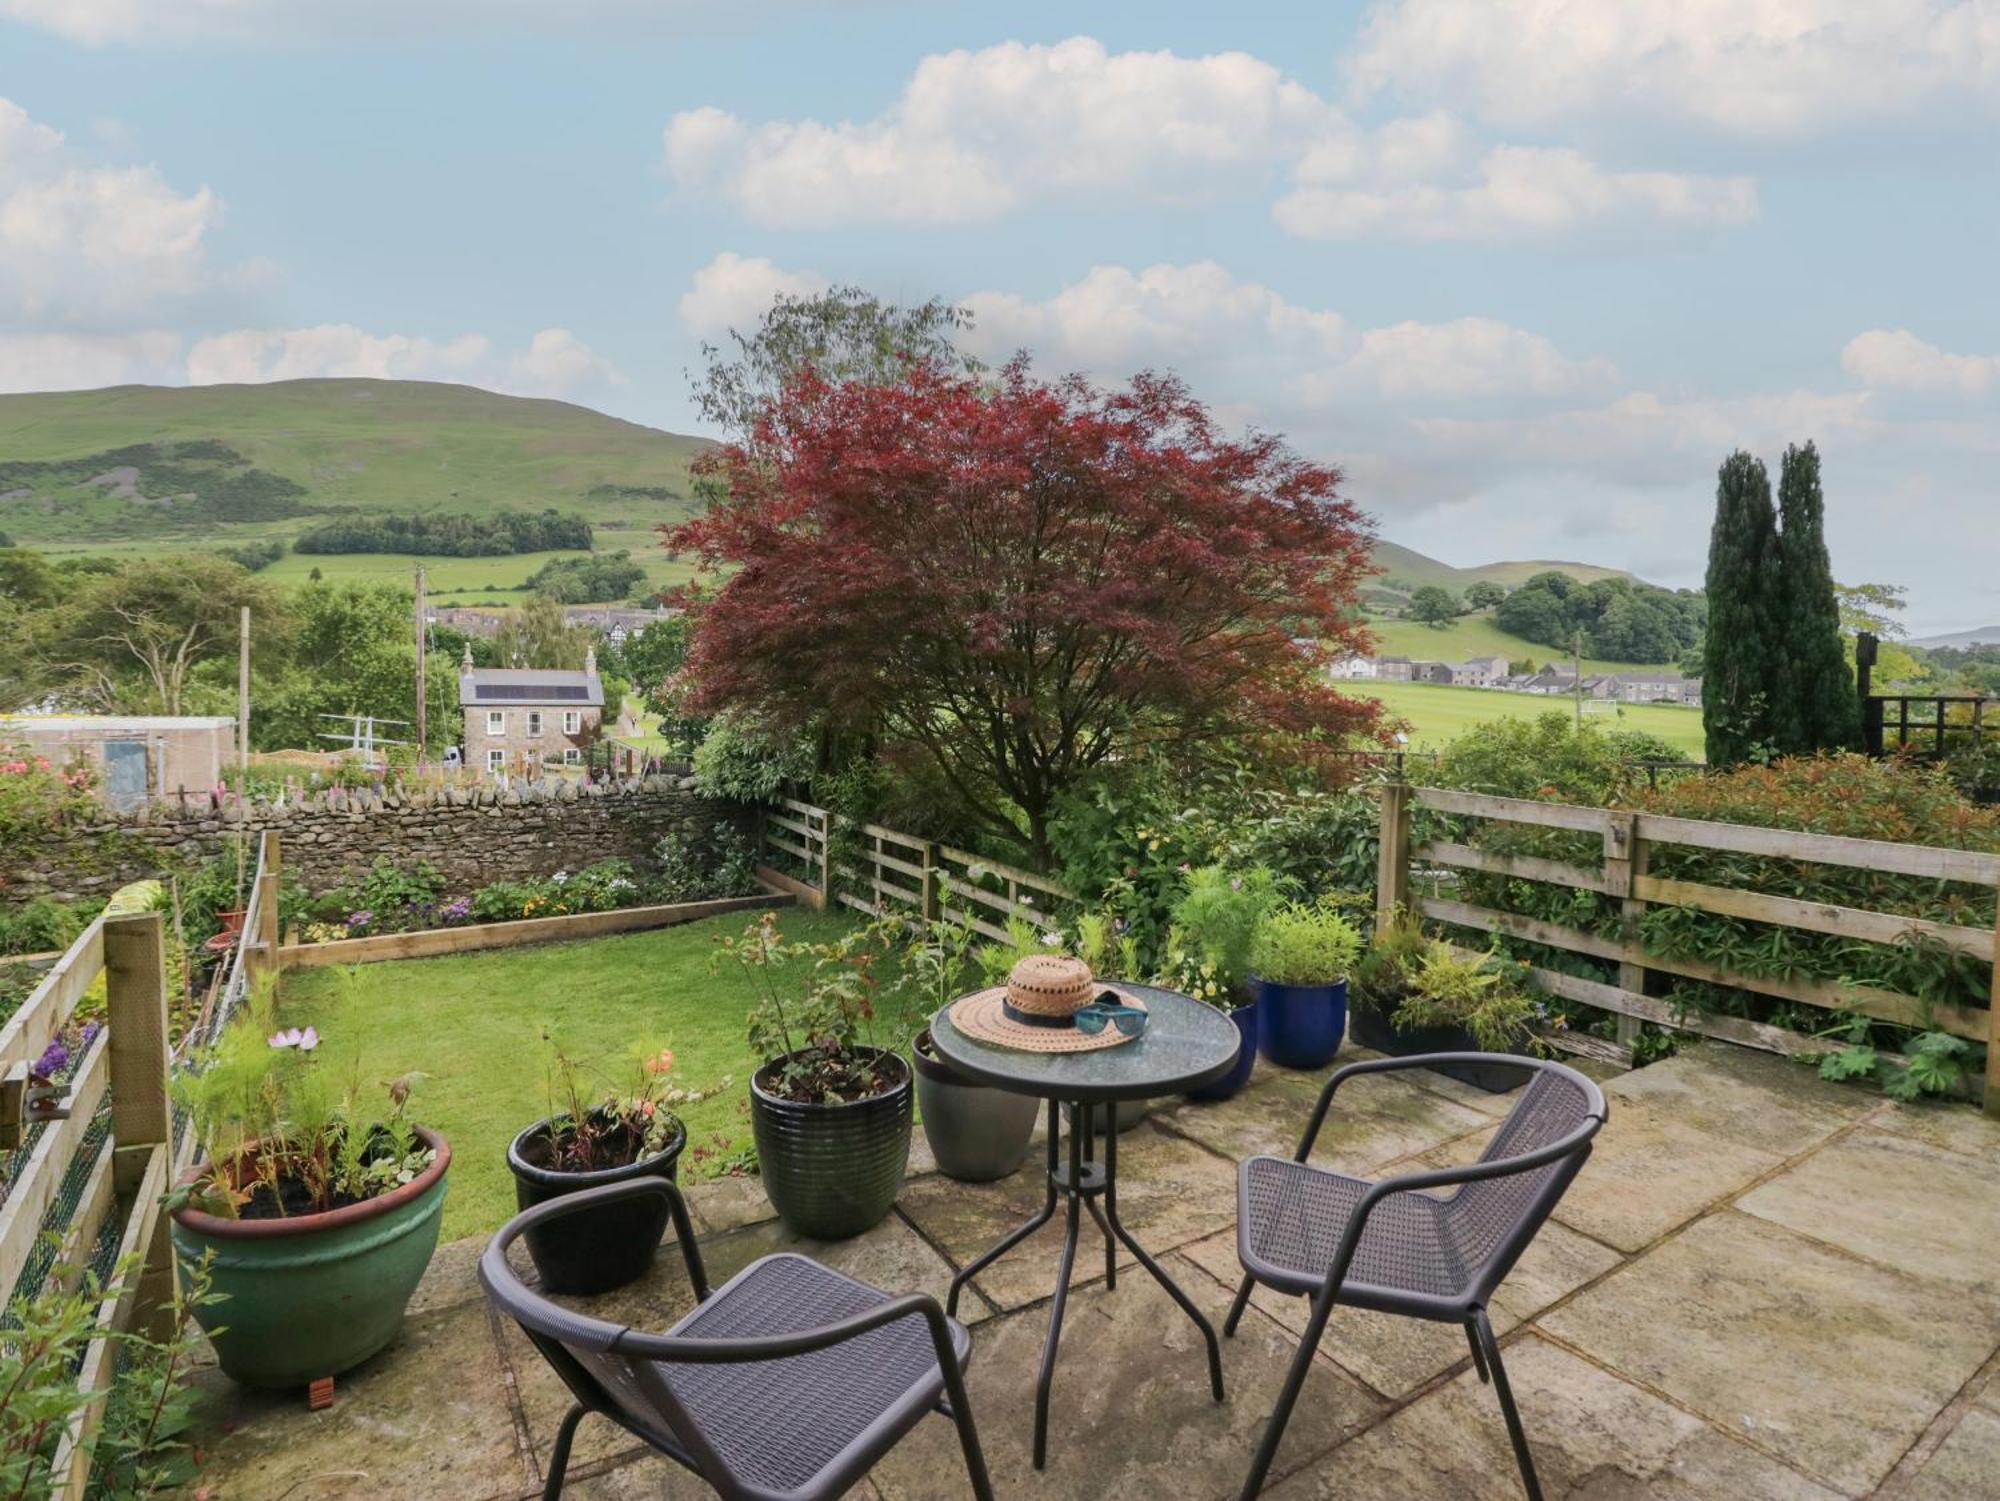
x,y
529,687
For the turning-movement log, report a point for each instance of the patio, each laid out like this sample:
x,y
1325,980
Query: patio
x,y
1761,1286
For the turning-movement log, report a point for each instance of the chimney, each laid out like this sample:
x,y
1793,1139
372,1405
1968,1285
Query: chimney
x,y
465,661
590,658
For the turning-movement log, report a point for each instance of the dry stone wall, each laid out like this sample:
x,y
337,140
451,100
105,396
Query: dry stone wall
x,y
472,834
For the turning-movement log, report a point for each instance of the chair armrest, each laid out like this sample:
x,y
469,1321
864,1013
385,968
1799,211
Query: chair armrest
x,y
1473,1172
694,1350
1383,1066
613,1193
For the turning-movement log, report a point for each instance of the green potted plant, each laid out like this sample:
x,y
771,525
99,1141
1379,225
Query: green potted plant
x,y
1417,994
316,1208
1208,954
831,1111
976,1133
587,1141
1300,958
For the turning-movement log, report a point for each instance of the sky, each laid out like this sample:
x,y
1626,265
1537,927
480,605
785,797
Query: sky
x,y
1526,270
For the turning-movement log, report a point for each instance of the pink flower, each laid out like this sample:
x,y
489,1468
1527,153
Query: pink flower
x,y
304,1041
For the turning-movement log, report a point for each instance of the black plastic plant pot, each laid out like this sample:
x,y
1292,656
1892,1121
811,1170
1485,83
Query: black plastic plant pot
x,y
832,1171
601,1248
1372,1028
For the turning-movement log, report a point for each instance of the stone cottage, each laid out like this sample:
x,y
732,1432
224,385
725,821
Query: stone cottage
x,y
518,719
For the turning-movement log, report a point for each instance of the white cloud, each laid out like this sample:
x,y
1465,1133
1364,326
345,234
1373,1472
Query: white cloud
x,y
1516,192
1770,69
977,133
81,243
1900,361
78,362
733,291
554,363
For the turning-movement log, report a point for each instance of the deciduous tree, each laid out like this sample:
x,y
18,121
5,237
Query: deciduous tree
x,y
1022,582
1434,605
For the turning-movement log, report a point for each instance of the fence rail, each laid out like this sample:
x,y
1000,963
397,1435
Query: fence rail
x,y
810,852
1622,872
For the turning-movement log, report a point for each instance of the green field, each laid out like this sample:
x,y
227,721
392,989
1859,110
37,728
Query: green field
x,y
1437,714
1477,636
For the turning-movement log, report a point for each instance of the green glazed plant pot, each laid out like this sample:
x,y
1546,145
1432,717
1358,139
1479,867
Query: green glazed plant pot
x,y
832,1171
315,1294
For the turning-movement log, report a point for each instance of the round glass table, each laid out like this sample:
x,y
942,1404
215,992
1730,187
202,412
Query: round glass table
x,y
1186,1044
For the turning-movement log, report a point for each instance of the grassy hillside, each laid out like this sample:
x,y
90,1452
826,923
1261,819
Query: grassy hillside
x,y
1477,636
1437,714
1405,570
215,463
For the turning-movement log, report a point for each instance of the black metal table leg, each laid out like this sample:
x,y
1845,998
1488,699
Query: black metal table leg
x,y
1079,1130
1014,1237
1152,1266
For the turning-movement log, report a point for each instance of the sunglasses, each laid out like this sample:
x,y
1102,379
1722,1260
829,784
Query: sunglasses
x,y
1094,1018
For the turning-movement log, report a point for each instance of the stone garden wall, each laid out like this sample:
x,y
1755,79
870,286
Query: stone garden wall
x,y
473,834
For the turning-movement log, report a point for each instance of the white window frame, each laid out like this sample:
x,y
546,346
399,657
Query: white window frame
x,y
496,759
534,724
496,721
572,756
572,721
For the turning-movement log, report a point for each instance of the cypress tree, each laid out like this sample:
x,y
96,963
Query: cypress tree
x,y
1817,707
1742,656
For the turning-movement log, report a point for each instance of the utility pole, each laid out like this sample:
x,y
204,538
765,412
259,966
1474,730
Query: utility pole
x,y
242,751
1576,670
423,643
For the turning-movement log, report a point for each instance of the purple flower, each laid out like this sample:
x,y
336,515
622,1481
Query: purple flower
x,y
304,1041
54,1059
360,919
90,1031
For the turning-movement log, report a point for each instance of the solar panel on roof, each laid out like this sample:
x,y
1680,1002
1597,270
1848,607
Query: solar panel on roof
x,y
517,692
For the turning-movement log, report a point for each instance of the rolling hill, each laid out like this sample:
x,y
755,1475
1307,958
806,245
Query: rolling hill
x,y
128,469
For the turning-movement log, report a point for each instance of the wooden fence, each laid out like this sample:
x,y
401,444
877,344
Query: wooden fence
x,y
1623,873
803,846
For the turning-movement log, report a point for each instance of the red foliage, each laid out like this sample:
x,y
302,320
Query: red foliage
x,y
1024,579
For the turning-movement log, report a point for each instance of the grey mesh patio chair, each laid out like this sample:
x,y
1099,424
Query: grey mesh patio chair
x,y
788,1381
1400,1245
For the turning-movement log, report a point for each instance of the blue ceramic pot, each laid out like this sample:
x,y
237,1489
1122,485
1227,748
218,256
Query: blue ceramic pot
x,y
1300,1026
1245,1017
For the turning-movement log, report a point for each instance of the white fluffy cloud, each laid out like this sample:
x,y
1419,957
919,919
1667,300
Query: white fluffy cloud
x,y
1513,193
82,243
77,362
977,133
1900,361
1772,69
555,362
733,291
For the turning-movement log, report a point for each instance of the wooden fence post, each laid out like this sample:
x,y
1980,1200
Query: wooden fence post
x,y
135,979
1625,855
1992,1096
930,882
266,936
825,856
1392,872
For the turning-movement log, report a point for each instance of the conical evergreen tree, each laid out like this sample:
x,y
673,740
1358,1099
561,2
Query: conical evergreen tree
x,y
1742,657
1816,703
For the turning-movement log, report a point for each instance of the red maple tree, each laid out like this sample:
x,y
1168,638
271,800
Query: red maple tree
x,y
1026,581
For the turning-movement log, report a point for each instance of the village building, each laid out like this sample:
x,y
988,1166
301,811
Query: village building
x,y
518,719
137,757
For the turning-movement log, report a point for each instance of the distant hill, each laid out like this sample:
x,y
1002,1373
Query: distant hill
x,y
211,461
1988,635
1405,570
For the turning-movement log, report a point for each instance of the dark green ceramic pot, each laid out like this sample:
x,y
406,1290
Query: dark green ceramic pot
x,y
315,1294
832,1171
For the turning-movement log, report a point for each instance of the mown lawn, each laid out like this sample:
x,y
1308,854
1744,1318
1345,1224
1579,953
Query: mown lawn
x,y
1438,714
474,1024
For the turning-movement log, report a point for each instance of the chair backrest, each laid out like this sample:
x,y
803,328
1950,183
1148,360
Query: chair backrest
x,y
1494,1219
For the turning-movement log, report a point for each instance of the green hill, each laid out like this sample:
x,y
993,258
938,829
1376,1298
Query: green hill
x,y
1405,570
219,463
1475,636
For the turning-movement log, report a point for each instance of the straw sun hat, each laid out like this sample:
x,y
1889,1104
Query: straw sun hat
x,y
1034,1010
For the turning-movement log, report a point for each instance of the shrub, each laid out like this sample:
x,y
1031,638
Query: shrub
x,y
43,924
1450,988
744,763
501,901
1304,944
1220,910
721,863
1550,757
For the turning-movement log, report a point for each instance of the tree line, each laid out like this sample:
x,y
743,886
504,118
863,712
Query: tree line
x,y
455,535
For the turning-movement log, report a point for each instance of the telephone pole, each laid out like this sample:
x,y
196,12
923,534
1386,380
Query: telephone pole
x,y
1576,669
423,645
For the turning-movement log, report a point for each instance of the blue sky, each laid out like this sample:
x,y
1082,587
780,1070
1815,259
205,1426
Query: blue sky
x,y
1527,269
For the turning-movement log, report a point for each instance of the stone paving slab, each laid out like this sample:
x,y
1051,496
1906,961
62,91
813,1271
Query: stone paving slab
x,y
1375,1119
1753,1099
1594,1437
1833,1363
1131,1417
1170,1191
1951,1127
426,1418
1650,1171
1899,1202
1966,1466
